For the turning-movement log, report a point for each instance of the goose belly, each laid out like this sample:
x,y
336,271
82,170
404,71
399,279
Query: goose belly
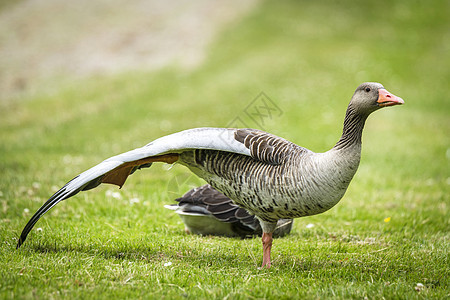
x,y
271,192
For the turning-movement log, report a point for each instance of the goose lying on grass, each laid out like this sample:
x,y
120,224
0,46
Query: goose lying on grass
x,y
269,176
207,211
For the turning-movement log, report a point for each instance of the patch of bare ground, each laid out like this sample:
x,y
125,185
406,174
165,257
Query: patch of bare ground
x,y
41,40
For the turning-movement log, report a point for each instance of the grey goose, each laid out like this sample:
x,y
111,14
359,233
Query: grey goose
x,y
206,211
269,176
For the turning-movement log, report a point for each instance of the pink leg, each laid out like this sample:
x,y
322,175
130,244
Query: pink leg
x,y
267,246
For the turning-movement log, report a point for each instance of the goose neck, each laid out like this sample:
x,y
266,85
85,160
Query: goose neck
x,y
352,131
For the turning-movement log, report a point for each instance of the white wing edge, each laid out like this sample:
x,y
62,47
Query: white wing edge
x,y
197,138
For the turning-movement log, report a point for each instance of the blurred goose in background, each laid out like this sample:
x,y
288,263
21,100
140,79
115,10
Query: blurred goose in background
x,y
269,176
206,211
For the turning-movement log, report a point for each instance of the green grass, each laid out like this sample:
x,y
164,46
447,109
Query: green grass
x,y
308,57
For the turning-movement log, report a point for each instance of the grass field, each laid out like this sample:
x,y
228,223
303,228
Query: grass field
x,y
387,238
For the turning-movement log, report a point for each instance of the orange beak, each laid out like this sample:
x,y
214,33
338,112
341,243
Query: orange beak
x,y
387,99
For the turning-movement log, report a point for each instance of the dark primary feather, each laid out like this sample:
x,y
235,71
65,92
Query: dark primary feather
x,y
59,196
116,176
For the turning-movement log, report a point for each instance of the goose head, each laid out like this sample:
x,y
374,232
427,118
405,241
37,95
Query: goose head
x,y
368,97
371,96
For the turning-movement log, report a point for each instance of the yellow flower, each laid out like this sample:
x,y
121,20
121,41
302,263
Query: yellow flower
x,y
386,220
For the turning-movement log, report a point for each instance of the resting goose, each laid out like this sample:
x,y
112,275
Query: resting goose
x,y
269,176
207,211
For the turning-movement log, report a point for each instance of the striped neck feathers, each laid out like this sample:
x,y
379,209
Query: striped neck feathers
x,y
353,127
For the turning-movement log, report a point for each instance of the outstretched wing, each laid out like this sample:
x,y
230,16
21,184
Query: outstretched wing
x,y
116,169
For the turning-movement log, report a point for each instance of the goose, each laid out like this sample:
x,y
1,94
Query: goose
x,y
206,211
267,175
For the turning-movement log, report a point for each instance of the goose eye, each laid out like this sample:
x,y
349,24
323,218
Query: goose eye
x,y
367,89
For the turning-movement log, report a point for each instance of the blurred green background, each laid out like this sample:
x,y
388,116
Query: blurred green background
x,y
63,111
